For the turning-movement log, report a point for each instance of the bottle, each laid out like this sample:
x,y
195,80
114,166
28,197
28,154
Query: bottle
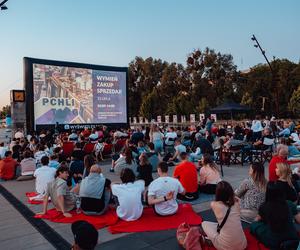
x,y
78,205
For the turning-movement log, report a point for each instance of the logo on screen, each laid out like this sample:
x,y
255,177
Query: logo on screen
x,y
67,126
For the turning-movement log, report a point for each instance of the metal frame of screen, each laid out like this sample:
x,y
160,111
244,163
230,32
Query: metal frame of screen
x,y
29,94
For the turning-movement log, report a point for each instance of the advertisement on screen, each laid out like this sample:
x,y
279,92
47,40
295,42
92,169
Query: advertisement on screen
x,y
69,95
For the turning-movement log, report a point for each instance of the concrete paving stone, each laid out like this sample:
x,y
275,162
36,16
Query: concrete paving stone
x,y
170,243
24,241
153,238
130,242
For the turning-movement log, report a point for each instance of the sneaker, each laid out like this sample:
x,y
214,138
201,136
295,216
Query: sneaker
x,y
112,170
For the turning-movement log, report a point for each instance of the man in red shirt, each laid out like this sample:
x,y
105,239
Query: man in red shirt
x,y
281,156
186,173
8,167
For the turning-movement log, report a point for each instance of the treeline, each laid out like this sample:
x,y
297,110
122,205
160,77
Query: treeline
x,y
209,79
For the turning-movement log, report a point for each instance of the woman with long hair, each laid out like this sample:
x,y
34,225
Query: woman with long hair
x,y
209,175
144,169
157,138
284,182
228,232
252,192
88,161
125,160
274,224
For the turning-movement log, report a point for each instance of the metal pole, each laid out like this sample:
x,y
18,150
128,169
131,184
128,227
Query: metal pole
x,y
257,45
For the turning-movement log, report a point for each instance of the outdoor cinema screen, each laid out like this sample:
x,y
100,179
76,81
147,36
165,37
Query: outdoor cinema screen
x,y
71,93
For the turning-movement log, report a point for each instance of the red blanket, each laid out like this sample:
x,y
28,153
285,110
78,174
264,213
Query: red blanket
x,y
150,221
252,243
99,221
32,194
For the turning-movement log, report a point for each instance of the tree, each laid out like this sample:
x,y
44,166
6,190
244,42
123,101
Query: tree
x,y
294,103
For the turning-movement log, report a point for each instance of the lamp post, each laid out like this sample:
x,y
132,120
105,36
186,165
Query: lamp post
x,y
257,45
3,6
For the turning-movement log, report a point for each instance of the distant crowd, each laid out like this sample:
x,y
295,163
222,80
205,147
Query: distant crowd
x,y
67,168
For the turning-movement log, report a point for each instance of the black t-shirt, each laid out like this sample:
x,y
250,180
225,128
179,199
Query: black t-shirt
x,y
136,137
145,173
76,167
290,192
204,145
93,204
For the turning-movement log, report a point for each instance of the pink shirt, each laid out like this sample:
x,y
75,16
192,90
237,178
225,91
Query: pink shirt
x,y
209,176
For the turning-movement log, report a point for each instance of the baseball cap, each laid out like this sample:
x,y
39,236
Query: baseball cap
x,y
85,234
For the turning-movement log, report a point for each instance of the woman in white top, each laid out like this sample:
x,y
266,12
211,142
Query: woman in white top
x,y
209,175
129,195
231,235
157,138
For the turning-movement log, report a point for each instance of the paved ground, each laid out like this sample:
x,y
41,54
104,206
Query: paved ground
x,y
17,232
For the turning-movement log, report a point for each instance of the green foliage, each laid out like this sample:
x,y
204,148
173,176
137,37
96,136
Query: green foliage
x,y
294,103
209,79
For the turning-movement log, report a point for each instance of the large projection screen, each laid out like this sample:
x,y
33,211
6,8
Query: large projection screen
x,y
73,95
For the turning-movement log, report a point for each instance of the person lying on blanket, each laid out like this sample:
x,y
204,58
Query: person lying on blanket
x,y
62,197
163,191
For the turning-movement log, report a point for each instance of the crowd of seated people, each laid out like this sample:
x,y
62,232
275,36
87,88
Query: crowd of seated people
x,y
78,175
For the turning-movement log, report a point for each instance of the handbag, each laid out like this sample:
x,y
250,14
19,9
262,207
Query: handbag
x,y
188,237
219,227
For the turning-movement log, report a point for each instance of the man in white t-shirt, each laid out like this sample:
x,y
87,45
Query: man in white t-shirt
x,y
170,137
43,175
163,191
129,195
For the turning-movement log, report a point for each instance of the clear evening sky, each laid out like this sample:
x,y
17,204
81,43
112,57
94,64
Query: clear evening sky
x,y
113,32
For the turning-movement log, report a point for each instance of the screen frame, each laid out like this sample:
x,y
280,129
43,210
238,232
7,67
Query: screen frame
x,y
28,86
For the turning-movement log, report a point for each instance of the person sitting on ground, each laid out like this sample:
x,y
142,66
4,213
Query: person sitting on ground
x,y
153,157
195,156
170,138
53,163
227,211
274,223
3,149
88,162
284,182
163,191
43,175
85,235
62,197
209,175
144,170
125,161
40,152
141,148
27,167
129,195
16,151
137,136
252,192
94,192
8,167
204,145
156,137
179,148
186,173
293,150
280,156
76,168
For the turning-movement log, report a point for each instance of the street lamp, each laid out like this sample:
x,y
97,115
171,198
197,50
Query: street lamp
x,y
257,45
3,6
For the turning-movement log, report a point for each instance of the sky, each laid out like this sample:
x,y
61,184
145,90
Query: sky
x,y
114,32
